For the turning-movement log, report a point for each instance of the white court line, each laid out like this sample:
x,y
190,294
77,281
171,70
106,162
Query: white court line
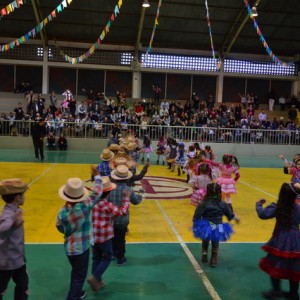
x,y
258,189
40,176
190,256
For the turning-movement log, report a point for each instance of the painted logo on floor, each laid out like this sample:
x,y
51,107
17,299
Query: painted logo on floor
x,y
164,188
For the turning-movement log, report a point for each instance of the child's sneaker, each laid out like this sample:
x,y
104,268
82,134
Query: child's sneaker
x,y
82,295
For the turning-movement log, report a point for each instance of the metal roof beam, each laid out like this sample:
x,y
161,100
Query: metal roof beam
x,y
39,17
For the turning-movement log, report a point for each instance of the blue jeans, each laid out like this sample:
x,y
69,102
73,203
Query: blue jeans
x,y
102,255
79,265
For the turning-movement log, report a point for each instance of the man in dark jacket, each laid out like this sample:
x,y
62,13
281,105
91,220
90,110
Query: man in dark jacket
x,y
38,134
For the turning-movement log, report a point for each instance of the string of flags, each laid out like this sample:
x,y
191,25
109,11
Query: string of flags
x,y
218,63
153,30
275,59
86,55
34,31
11,7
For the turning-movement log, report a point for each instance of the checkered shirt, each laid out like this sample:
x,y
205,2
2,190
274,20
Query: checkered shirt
x,y
104,168
75,222
103,218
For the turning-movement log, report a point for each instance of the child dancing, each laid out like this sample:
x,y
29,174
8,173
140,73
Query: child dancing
x,y
283,249
228,167
199,183
147,148
161,147
208,225
180,159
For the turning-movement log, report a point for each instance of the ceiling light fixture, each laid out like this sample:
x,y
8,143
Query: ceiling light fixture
x,y
146,4
254,11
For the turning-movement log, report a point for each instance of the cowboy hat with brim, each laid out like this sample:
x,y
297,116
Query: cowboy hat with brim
x,y
107,184
114,147
121,173
131,146
107,155
121,160
73,191
12,186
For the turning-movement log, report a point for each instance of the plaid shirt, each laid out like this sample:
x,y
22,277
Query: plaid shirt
x,y
104,168
76,224
116,197
103,219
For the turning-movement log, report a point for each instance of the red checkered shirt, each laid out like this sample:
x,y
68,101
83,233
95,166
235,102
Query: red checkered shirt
x,y
103,215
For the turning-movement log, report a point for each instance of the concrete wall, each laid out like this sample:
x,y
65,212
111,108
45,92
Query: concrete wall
x,y
92,145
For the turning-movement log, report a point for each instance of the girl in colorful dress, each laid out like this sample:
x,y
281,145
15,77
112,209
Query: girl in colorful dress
x,y
189,162
208,225
161,147
147,148
199,183
228,167
283,249
180,159
172,150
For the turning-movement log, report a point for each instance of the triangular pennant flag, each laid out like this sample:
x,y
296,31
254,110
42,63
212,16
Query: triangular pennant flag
x,y
98,41
6,47
53,14
49,18
37,29
106,29
59,8
108,24
11,45
41,25
120,3
20,2
64,3
14,5
33,33
29,34
116,10
8,9
20,40
3,12
112,17
45,21
69,1
156,22
23,39
17,43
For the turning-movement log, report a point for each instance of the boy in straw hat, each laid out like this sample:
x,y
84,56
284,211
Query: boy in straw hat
x,y
12,260
106,157
74,221
103,227
120,176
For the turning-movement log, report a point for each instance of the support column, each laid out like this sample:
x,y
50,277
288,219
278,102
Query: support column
x,y
45,83
219,88
296,87
136,84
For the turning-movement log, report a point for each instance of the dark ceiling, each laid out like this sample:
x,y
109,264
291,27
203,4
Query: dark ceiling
x,y
182,24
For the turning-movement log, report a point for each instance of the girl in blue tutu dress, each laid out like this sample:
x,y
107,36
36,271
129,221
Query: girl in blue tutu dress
x,y
207,222
283,249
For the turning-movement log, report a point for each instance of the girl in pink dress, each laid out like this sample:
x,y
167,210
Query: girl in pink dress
x,y
228,168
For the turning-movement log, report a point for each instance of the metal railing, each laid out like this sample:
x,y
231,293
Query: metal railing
x,y
80,129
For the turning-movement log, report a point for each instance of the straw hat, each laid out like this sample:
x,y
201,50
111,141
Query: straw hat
x,y
131,146
114,147
117,161
12,186
107,184
73,191
130,138
107,155
121,173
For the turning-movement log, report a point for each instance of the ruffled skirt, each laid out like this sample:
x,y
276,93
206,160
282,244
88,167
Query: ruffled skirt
x,y
205,230
227,185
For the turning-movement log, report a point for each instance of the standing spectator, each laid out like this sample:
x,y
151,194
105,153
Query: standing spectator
x,y
74,221
12,256
282,103
29,100
157,91
120,176
37,107
283,248
53,103
243,100
292,113
19,116
38,134
272,96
